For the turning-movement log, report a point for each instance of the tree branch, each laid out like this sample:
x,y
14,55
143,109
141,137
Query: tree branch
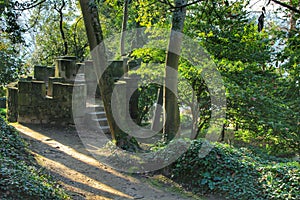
x,y
287,6
167,2
27,6
61,28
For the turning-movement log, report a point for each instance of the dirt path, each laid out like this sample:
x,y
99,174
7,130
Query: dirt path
x,y
62,153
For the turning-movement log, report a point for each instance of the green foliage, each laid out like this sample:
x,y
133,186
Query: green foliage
x,y
237,173
2,113
49,43
226,31
147,98
2,91
150,74
20,178
257,104
11,66
10,27
195,80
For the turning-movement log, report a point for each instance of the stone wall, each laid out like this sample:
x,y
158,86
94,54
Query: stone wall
x,y
35,107
47,98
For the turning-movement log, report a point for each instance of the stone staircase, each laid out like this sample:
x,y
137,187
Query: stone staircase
x,y
95,117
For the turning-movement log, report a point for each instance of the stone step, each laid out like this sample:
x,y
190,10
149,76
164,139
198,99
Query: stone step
x,y
104,119
97,114
99,108
95,108
101,121
105,129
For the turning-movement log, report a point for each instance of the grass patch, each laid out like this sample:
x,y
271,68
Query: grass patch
x,y
20,176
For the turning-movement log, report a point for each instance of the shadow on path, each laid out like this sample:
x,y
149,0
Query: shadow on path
x,y
61,151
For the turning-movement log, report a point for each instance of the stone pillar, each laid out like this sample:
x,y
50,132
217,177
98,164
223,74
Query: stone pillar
x,y
42,73
57,90
119,107
50,84
66,68
91,79
79,100
62,96
80,68
132,96
125,66
25,101
12,103
117,69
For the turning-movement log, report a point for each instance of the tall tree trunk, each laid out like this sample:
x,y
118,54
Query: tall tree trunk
x,y
105,82
123,36
171,115
124,27
61,28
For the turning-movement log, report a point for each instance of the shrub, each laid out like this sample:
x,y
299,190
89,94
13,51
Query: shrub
x,y
2,113
20,177
237,173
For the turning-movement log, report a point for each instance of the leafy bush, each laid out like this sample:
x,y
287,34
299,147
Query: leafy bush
x,y
19,176
2,112
237,173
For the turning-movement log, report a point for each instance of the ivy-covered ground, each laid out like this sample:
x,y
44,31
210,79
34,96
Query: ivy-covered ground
x,y
238,173
233,173
20,176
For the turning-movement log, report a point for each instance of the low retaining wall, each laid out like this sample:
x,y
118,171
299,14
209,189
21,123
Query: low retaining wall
x,y
29,102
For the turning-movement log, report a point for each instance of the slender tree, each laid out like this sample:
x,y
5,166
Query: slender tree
x,y
171,115
105,78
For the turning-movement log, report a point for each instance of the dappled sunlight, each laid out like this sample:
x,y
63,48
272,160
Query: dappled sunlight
x,y
61,152
73,175
66,149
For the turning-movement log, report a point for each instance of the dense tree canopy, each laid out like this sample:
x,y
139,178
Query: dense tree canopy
x,y
260,68
254,46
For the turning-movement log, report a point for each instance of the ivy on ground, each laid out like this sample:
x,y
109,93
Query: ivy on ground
x,y
20,177
237,173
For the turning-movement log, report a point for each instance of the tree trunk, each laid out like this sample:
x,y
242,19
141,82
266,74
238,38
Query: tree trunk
x,y
156,122
61,28
124,27
171,115
105,82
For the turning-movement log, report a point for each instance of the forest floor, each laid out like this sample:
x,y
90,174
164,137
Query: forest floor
x,y
62,153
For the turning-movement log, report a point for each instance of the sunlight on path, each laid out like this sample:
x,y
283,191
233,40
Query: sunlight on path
x,y
69,173
62,153
66,149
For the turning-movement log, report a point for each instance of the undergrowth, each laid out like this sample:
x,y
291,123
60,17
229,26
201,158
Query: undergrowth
x,y
2,112
20,177
237,173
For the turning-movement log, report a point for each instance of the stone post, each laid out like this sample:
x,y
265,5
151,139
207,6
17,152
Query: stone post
x,y
79,100
66,68
12,103
132,96
42,73
50,84
91,79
